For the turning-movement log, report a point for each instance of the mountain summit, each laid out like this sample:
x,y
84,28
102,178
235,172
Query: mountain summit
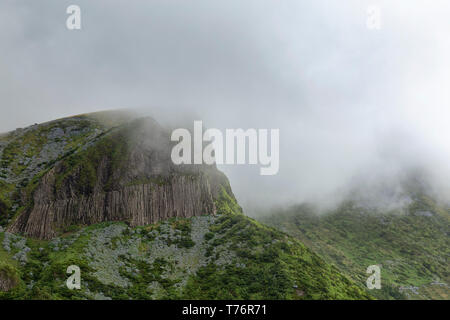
x,y
83,170
100,192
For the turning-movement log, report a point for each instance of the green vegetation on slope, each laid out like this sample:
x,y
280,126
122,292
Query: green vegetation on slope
x,y
112,147
227,256
276,266
26,154
22,147
412,247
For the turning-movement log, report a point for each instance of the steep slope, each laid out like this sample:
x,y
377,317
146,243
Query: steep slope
x,y
412,247
222,256
100,192
123,174
26,154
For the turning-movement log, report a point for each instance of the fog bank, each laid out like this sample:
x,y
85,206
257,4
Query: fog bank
x,y
352,103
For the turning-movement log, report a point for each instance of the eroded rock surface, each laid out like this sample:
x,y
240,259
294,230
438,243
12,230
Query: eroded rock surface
x,y
126,174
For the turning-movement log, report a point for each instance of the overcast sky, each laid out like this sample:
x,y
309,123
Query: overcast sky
x,y
347,99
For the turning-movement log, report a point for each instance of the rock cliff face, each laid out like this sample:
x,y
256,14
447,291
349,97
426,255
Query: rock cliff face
x,y
125,175
138,204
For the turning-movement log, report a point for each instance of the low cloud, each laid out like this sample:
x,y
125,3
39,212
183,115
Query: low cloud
x,y
352,104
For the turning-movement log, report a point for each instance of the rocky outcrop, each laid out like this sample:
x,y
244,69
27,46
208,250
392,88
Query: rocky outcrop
x,y
181,196
126,176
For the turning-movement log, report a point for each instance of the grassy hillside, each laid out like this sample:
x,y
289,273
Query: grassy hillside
x,y
222,256
412,247
227,256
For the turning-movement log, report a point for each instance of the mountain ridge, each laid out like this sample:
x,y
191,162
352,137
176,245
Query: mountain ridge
x,y
109,200
118,175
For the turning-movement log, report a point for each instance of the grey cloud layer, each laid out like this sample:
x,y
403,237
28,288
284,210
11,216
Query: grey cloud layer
x,y
347,100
